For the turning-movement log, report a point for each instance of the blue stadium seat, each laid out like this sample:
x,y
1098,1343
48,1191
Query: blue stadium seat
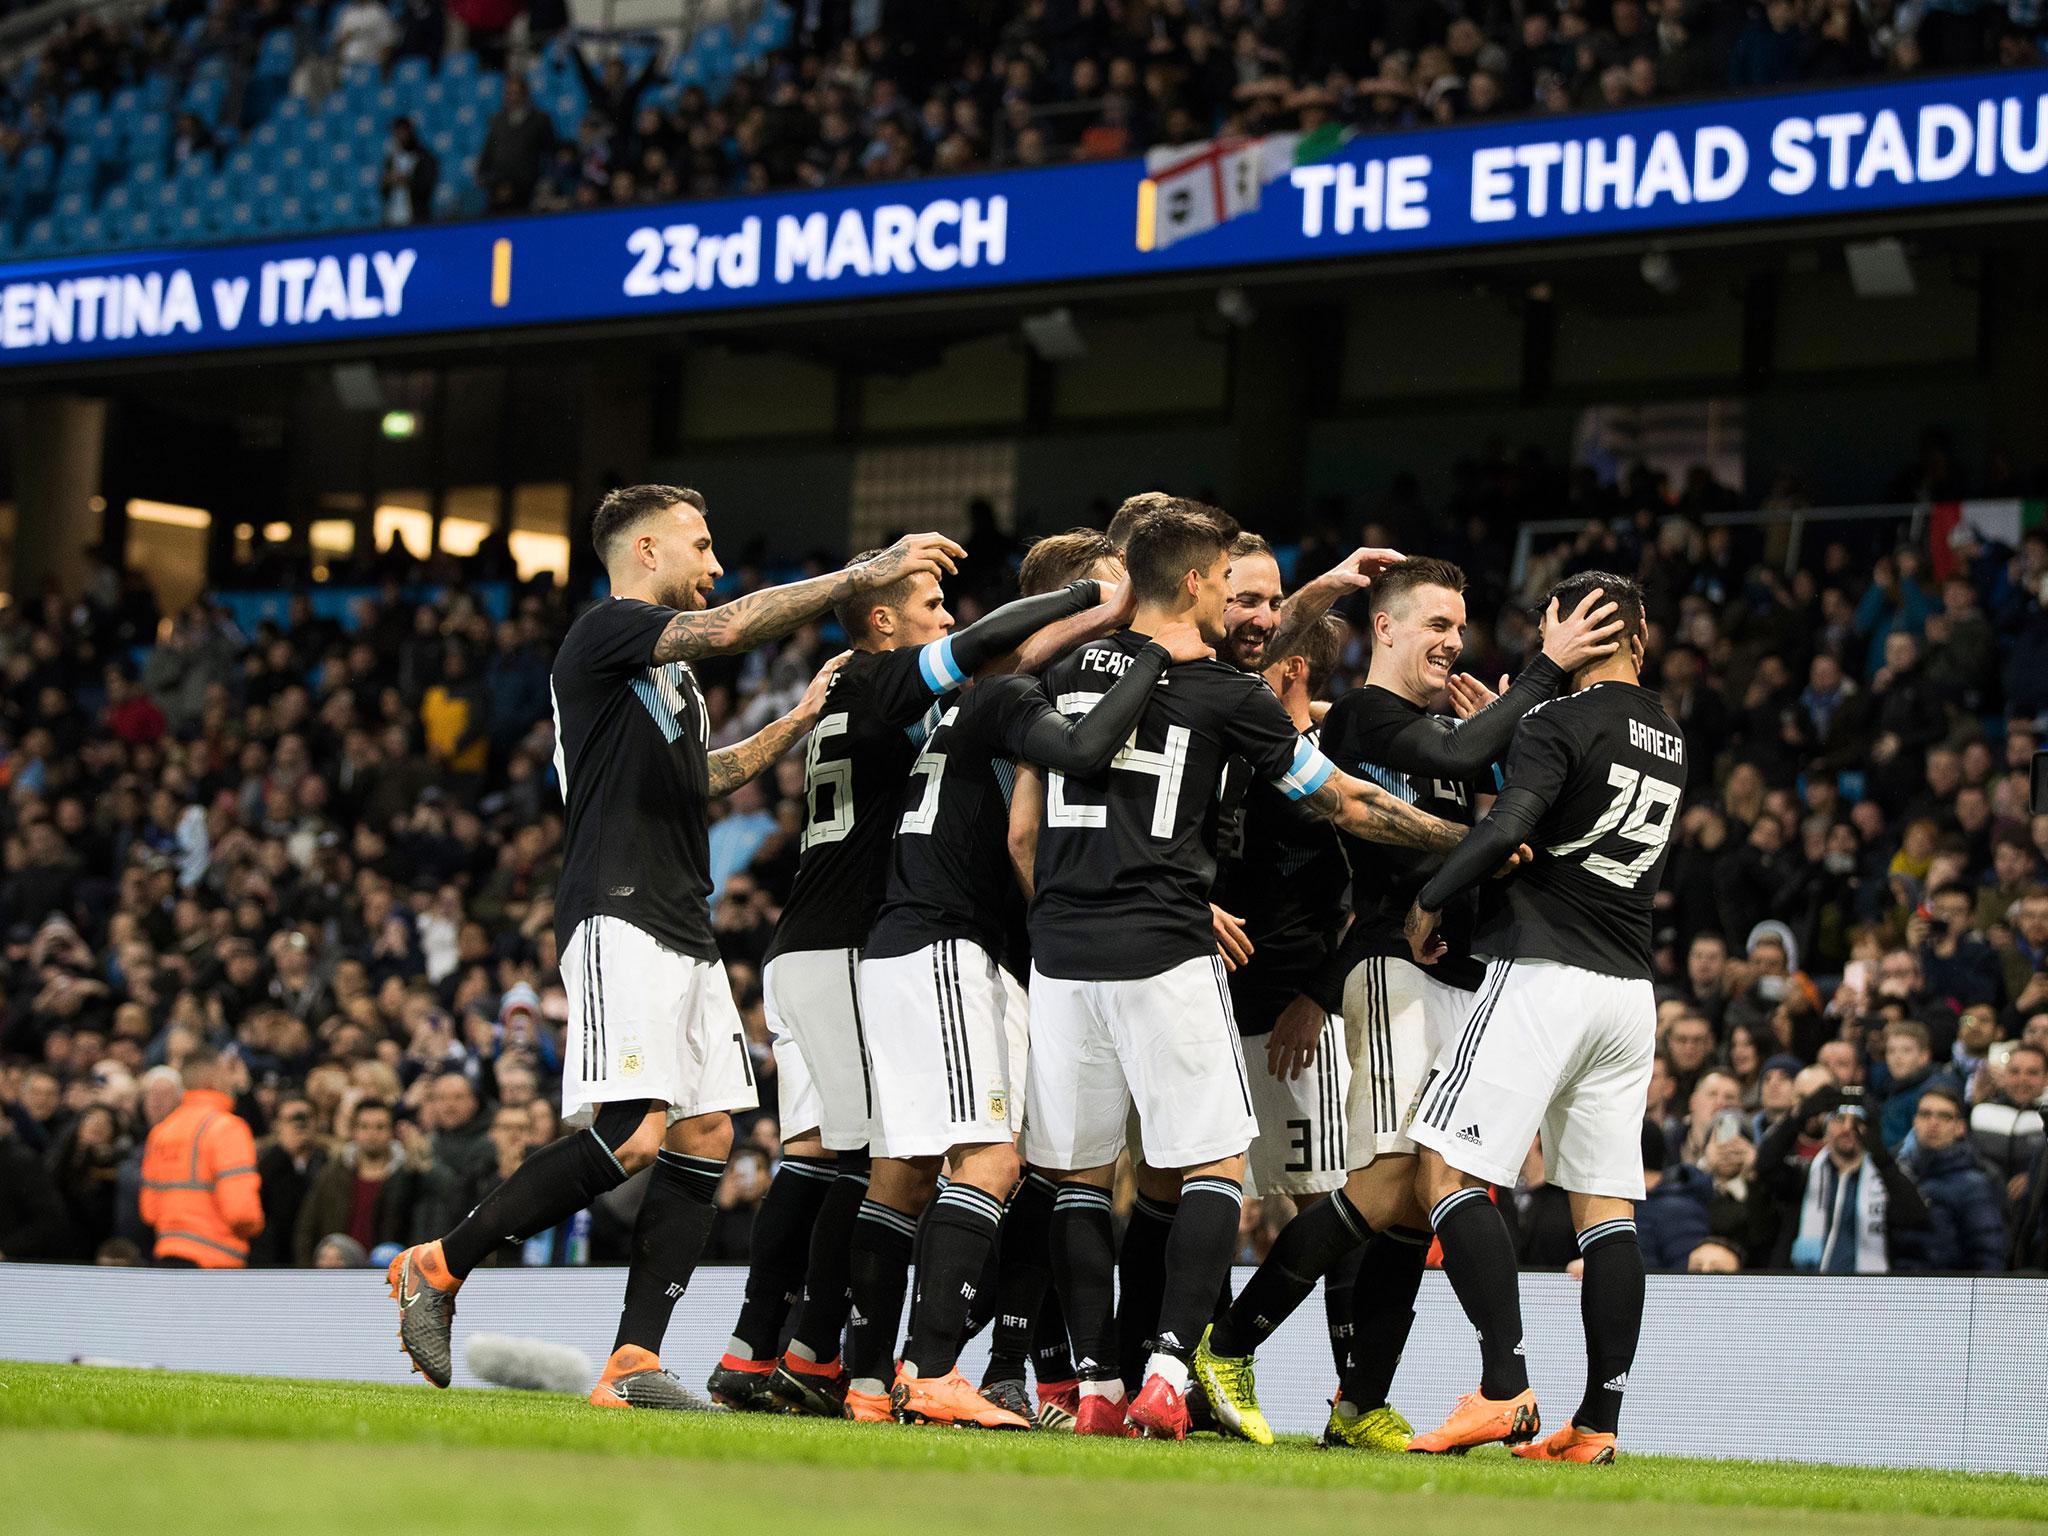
x,y
267,140
73,205
156,91
89,231
290,160
142,227
145,176
105,137
442,143
366,126
459,66
42,237
690,71
80,108
291,110
218,189
204,99
447,200
240,219
490,90
194,170
366,179
388,101
411,73
432,95
265,188
188,224
126,102
316,183
38,160
242,164
314,132
361,77
167,195
291,213
276,54
118,199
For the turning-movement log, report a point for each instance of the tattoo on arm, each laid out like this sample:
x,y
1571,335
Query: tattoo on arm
x,y
1367,811
730,767
748,621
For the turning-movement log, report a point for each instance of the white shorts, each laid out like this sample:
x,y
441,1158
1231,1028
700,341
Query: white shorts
x,y
1397,1018
796,1096
1301,1145
646,1022
1549,1048
813,996
1166,1043
938,1024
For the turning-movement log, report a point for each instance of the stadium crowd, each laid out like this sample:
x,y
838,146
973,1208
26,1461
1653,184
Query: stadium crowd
x,y
880,91
281,901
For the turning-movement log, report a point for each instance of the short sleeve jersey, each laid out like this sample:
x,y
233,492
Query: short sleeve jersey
x,y
1127,857
949,870
630,757
1283,873
1359,737
860,751
1611,764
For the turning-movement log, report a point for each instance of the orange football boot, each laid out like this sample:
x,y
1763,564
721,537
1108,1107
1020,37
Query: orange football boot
x,y
1571,1444
1480,1421
949,1399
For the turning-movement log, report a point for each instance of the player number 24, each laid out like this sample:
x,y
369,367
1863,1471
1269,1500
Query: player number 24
x,y
1641,812
1166,767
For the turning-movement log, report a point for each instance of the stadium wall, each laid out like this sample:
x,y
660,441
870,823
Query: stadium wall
x,y
1801,1368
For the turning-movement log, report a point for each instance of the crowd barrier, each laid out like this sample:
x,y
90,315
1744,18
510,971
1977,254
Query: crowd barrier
x,y
1875,1371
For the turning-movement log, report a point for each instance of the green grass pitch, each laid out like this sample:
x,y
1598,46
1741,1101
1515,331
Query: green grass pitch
x,y
99,1450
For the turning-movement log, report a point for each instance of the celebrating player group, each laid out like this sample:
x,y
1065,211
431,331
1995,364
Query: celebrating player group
x,y
1100,874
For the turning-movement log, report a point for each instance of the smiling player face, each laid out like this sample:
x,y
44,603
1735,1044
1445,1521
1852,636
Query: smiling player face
x,y
1253,612
1426,633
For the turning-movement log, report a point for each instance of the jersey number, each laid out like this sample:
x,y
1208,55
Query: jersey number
x,y
931,765
1167,766
1641,811
819,776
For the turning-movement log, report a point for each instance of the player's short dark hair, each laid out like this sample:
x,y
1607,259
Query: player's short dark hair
x,y
1169,542
1248,543
853,613
623,509
1405,576
1060,558
1938,1090
1626,596
383,1105
1125,518
1320,645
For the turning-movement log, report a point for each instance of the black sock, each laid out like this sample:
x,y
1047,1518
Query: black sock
x,y
550,1186
668,1239
1479,1261
1084,1270
1338,1314
821,1319
1305,1249
1382,1312
961,1230
1022,1278
878,1274
1141,1283
1611,1306
1198,1258
781,1252
1052,1352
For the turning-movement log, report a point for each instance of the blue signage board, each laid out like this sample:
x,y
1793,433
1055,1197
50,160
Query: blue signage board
x,y
1220,205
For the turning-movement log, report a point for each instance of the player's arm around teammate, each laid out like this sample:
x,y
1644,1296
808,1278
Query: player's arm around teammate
x,y
732,766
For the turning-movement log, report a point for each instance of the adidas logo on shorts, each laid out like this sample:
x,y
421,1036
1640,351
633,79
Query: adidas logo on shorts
x,y
1471,1134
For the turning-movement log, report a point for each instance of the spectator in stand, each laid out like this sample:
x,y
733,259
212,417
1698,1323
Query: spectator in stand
x,y
2024,959
366,1193
1671,1218
32,1224
1965,1227
364,33
1706,976
286,1167
190,138
614,94
1910,1071
199,1186
411,172
86,1165
1689,1044
2006,1129
518,143
1856,1199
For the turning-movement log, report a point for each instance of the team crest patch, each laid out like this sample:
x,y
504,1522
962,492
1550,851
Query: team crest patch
x,y
998,1104
629,1064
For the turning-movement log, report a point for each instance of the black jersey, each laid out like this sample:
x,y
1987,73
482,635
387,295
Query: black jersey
x,y
1126,857
949,872
1606,767
861,749
1283,873
629,754
1361,735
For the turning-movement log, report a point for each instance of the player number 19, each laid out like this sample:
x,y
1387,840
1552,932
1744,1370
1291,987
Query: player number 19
x,y
1641,812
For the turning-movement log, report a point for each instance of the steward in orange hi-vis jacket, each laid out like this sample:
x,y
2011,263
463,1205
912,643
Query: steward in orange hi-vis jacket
x,y
200,1192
